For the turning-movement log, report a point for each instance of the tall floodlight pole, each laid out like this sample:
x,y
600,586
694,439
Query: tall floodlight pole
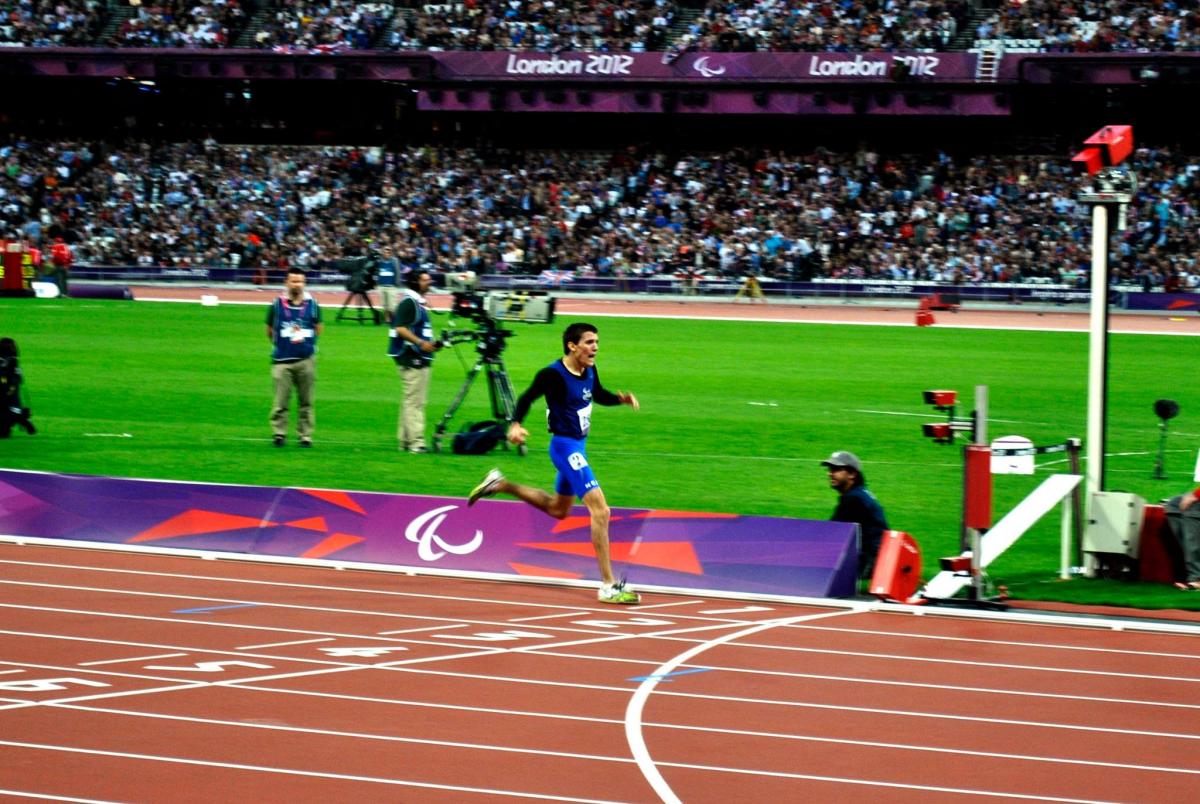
x,y
1109,192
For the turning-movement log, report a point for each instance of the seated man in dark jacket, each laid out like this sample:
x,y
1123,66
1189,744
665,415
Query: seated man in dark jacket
x,y
857,504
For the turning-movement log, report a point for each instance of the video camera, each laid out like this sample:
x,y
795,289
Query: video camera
x,y
362,273
530,307
489,308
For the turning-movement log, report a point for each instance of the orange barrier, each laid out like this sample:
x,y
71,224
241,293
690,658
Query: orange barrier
x,y
924,316
898,567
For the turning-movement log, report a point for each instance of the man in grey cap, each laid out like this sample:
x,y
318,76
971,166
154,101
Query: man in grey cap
x,y
857,504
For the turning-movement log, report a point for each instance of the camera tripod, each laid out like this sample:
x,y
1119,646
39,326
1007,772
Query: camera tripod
x,y
358,307
500,390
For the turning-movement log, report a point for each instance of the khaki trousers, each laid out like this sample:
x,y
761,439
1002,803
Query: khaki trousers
x,y
411,426
301,374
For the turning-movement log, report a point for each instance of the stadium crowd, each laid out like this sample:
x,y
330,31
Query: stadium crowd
x,y
1095,25
180,23
324,25
625,25
747,25
858,214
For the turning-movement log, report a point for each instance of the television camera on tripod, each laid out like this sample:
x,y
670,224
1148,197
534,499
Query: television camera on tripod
x,y
487,310
360,280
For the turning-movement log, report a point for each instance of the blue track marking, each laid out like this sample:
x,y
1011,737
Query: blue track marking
x,y
671,676
214,608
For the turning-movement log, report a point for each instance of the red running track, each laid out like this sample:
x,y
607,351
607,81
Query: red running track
x,y
141,677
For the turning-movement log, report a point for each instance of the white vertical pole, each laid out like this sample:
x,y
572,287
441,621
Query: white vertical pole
x,y
974,536
1064,571
981,415
1097,353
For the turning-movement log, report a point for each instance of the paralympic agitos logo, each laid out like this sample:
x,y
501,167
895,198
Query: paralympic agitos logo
x,y
422,531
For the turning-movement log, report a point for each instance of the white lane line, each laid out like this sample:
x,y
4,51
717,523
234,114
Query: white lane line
x,y
295,772
1026,619
905,746
285,644
1090,699
132,659
425,628
556,616
593,638
1050,646
48,797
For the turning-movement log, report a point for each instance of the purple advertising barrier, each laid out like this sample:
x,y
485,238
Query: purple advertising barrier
x,y
674,550
1173,302
702,67
100,292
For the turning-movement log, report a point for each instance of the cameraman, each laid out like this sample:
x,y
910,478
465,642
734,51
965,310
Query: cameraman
x,y
411,345
12,412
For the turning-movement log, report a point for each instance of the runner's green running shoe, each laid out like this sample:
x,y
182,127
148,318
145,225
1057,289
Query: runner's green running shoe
x,y
618,593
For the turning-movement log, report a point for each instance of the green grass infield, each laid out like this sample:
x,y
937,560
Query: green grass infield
x,y
735,416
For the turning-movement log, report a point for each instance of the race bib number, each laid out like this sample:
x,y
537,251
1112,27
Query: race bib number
x,y
585,419
577,461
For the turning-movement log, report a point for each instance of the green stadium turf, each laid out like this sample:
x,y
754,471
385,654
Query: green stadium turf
x,y
735,417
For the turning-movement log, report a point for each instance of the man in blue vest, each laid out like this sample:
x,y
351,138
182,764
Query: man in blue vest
x,y
570,386
386,274
293,326
411,345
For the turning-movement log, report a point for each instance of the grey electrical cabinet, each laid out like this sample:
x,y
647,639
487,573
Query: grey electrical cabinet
x,y
1114,523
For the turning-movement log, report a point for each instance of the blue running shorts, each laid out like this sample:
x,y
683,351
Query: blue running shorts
x,y
575,474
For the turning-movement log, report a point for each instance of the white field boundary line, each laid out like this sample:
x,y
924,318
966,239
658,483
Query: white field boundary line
x,y
759,319
391,738
295,772
1033,618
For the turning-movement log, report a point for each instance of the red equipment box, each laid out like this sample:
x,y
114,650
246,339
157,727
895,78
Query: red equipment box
x,y
898,567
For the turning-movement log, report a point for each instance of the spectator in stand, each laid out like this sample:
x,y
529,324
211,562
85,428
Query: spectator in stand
x,y
613,25
324,27
181,24
67,23
857,213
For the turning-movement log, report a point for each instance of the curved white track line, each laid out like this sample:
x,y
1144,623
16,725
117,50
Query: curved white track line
x,y
633,712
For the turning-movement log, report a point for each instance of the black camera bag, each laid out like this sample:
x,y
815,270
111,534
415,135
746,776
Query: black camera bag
x,y
479,438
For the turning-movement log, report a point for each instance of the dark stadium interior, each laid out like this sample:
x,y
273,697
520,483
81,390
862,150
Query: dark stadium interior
x,y
1044,119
